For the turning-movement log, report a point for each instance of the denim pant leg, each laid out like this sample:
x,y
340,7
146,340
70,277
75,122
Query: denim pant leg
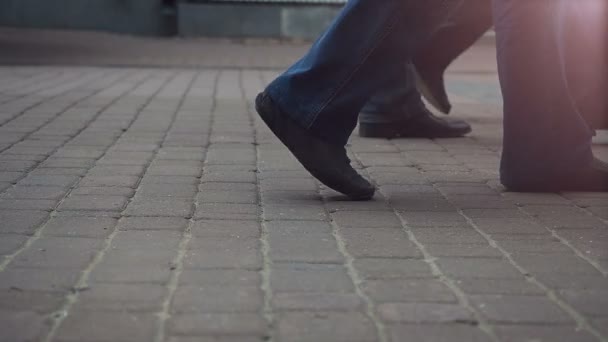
x,y
366,43
397,101
543,131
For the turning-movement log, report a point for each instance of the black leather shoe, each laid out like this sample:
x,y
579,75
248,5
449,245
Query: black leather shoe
x,y
424,125
326,162
587,178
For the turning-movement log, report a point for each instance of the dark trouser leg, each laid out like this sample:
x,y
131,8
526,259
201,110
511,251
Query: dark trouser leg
x,y
368,41
544,133
399,99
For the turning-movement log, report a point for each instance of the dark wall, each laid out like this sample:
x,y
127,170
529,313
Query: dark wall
x,y
127,16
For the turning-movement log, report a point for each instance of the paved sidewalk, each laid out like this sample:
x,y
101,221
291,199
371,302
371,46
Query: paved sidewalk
x,y
151,204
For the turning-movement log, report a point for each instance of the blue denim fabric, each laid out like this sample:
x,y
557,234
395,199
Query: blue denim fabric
x,y
544,132
363,48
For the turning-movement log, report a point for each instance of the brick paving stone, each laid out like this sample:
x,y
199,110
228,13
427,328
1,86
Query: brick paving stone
x,y
444,235
167,190
72,171
599,211
433,219
10,243
229,211
437,333
150,206
513,309
554,263
392,268
227,186
59,252
35,192
130,274
218,339
220,278
225,228
462,268
545,244
298,246
17,165
409,290
37,301
226,196
201,324
294,212
589,303
485,213
424,313
144,258
35,279
152,223
10,177
362,219
601,324
310,301
103,191
567,281
93,202
121,298
553,333
287,184
49,180
148,179
210,299
27,204
5,185
224,253
291,197
310,278
150,239
463,250
86,325
379,242
330,326
230,176
121,181
479,286
57,162
91,227
175,170
23,326
128,170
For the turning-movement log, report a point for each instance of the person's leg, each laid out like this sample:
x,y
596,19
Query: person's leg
x,y
585,28
547,144
313,106
462,30
397,110
368,41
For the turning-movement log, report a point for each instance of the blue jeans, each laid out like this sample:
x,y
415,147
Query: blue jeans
x,y
399,99
544,131
364,47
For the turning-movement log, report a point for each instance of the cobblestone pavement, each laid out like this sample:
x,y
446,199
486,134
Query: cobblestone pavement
x,y
153,205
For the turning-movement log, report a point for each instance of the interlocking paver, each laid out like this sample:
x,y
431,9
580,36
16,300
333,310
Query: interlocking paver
x,y
153,204
437,333
334,326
